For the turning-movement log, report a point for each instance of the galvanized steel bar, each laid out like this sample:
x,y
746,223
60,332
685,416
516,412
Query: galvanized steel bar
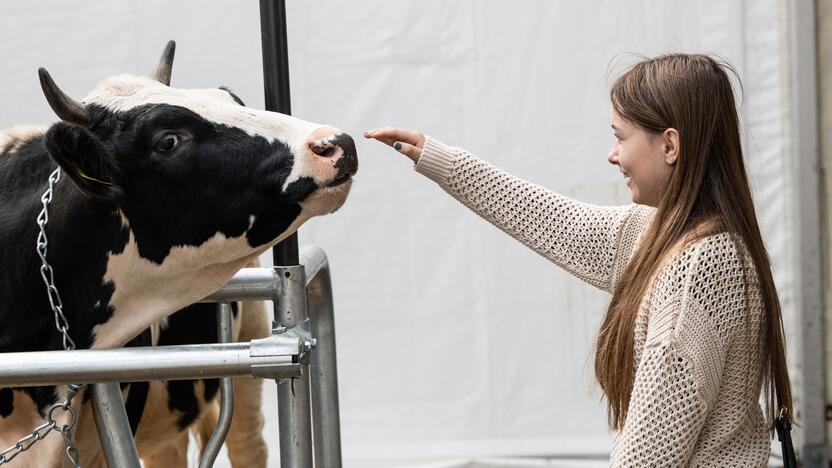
x,y
323,370
294,419
113,427
41,368
212,448
248,284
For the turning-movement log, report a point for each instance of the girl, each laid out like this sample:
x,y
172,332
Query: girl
x,y
693,332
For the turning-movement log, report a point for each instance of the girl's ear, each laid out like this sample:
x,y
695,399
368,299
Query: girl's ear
x,y
83,158
670,140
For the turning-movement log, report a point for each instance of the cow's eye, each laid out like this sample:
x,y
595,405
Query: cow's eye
x,y
167,142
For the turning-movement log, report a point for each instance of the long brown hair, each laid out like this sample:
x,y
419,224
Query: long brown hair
x,y
707,192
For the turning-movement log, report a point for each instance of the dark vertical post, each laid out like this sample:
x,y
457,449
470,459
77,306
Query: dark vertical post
x,y
276,86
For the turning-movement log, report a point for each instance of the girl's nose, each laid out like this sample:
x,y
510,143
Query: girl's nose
x,y
612,157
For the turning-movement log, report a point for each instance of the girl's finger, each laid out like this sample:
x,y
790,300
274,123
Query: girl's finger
x,y
394,134
381,133
386,141
384,134
408,150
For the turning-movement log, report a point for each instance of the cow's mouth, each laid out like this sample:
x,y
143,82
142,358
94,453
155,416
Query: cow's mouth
x,y
329,197
340,179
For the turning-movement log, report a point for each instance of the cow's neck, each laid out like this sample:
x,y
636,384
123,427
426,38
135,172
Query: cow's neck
x,y
81,231
146,291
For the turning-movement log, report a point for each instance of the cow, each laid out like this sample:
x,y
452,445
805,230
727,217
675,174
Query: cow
x,y
164,195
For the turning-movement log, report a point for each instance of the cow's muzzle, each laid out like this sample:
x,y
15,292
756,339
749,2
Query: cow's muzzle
x,y
336,150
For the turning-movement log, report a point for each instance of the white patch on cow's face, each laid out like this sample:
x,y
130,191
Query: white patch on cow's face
x,y
12,138
127,92
146,292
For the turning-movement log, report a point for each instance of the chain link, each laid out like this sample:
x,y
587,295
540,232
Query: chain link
x,y
23,444
46,270
62,325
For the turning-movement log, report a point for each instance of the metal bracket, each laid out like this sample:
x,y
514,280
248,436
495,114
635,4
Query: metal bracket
x,y
301,332
296,342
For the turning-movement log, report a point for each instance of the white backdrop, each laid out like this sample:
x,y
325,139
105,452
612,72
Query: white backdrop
x,y
453,340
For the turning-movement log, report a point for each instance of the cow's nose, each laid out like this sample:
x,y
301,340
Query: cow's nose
x,y
339,147
323,148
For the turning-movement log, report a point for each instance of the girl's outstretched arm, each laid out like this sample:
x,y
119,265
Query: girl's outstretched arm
x,y
592,242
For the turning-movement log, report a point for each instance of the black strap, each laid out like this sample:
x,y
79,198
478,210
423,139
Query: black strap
x,y
784,426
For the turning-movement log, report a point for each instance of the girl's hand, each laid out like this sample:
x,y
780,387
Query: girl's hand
x,y
407,142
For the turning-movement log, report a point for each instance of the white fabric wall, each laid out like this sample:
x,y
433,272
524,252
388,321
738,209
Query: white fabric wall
x,y
453,340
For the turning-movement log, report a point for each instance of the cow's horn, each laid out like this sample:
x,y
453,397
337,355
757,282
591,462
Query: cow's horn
x,y
65,107
163,70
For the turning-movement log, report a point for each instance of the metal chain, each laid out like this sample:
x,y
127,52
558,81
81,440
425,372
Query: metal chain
x,y
61,323
46,270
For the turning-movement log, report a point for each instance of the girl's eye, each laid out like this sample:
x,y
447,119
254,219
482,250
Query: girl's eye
x,y
168,142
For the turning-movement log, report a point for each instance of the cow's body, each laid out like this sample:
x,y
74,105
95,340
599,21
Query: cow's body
x,y
165,194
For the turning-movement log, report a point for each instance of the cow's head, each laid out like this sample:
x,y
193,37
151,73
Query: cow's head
x,y
185,167
195,183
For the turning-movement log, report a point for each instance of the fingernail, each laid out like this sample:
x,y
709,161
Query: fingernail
x,y
366,134
398,146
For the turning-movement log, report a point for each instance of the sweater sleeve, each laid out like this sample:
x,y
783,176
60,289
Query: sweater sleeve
x,y
679,371
592,242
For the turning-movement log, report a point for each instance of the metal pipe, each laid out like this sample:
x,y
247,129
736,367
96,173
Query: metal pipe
x,y
113,427
294,421
42,368
313,259
248,284
212,448
275,46
323,369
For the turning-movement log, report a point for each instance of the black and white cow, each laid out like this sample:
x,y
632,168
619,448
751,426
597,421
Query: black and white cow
x,y
165,194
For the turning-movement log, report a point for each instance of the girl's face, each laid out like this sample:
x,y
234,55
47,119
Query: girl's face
x,y
646,159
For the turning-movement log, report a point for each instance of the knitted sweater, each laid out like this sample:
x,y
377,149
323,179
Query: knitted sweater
x,y
695,398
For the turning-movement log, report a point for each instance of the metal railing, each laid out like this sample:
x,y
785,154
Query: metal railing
x,y
299,355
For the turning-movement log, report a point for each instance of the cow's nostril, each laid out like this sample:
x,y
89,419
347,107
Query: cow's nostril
x,y
323,150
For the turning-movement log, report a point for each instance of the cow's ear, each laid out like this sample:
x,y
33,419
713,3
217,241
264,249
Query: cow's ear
x,y
84,158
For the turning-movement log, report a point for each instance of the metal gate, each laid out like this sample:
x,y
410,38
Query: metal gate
x,y
299,355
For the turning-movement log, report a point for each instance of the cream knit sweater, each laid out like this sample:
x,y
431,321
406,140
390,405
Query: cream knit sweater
x,y
695,400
